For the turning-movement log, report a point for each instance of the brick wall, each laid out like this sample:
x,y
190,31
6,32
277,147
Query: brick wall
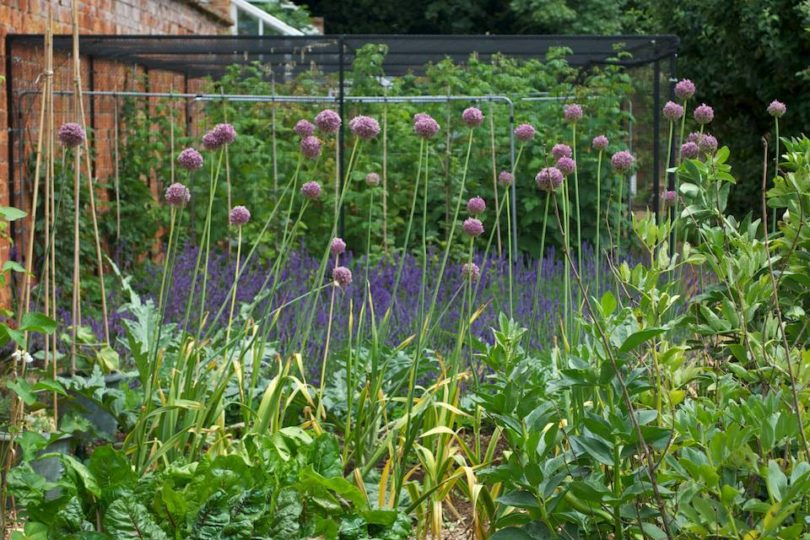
x,y
173,17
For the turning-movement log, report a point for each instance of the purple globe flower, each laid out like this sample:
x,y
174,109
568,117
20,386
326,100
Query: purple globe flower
x,y
473,227
561,151
566,165
328,121
600,142
239,216
364,127
704,114
694,137
707,144
572,113
177,194
525,132
476,205
311,190
549,179
622,161
373,179
342,276
304,128
684,89
777,109
672,111
71,134
310,146
338,246
471,271
473,117
218,136
425,126
190,159
690,150
505,178
669,197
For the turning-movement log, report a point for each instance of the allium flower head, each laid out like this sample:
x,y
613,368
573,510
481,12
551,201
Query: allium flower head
x,y
472,116
328,121
525,132
622,161
304,128
704,114
311,190
690,150
673,111
684,89
425,126
566,165
476,205
561,151
190,159
600,142
694,137
505,178
342,276
669,196
338,246
777,109
473,227
471,271
71,134
372,179
311,146
549,179
572,113
707,144
218,136
239,216
177,194
364,127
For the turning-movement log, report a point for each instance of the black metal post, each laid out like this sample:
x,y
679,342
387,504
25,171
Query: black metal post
x,y
656,138
342,132
91,80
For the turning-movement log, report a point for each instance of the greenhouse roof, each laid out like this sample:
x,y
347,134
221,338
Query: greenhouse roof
x,y
210,55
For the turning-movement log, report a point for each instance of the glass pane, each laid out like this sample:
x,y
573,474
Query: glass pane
x,y
246,25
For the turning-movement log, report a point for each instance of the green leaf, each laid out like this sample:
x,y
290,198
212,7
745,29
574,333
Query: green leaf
x,y
653,531
637,338
12,214
107,358
14,266
776,481
37,322
127,518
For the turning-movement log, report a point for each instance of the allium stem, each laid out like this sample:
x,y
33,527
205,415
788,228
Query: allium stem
x,y
321,413
598,219
423,281
235,282
775,166
576,202
539,275
666,167
76,264
511,260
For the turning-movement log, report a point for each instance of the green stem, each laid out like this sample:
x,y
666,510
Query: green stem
x,y
576,202
598,251
542,255
235,282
